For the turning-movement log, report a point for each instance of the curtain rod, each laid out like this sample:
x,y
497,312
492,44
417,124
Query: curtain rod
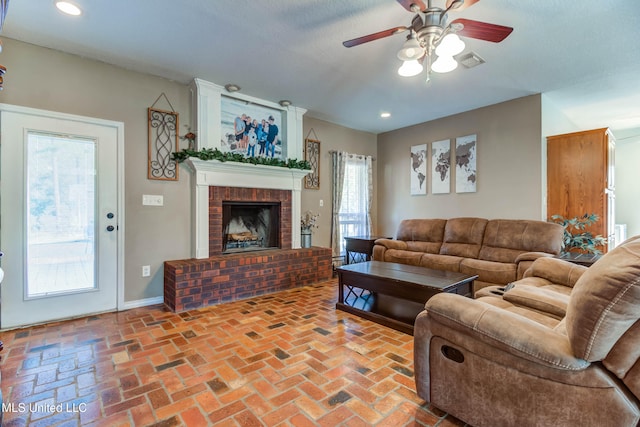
x,y
357,155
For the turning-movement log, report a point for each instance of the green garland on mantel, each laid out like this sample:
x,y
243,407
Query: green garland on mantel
x,y
215,154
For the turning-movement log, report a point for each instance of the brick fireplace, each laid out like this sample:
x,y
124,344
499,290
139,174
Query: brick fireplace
x,y
219,196
211,276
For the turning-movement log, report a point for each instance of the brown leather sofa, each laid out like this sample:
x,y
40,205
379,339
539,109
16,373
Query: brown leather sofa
x,y
499,251
562,350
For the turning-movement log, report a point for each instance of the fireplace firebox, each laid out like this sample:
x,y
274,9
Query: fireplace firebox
x,y
250,226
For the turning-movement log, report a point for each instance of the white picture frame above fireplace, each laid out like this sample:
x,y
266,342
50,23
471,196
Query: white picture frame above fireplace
x,y
209,101
251,129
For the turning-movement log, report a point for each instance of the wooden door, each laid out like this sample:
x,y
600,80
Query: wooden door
x,y
578,177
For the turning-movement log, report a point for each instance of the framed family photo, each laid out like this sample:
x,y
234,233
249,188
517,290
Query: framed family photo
x,y
250,129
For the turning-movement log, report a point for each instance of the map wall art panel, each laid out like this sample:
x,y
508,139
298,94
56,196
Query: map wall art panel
x,y
419,169
441,167
466,172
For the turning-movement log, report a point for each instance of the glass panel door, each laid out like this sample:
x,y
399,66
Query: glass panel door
x,y
61,183
60,210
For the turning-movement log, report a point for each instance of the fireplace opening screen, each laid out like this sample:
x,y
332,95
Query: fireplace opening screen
x,y
250,226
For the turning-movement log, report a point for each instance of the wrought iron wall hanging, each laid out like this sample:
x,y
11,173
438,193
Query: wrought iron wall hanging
x,y
163,140
312,155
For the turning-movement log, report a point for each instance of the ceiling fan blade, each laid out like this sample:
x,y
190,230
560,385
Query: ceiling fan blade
x,y
408,3
465,4
482,30
374,36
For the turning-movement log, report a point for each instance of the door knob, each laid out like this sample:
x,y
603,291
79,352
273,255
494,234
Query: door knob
x,y
110,215
110,228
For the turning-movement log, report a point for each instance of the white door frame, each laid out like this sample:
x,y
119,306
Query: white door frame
x,y
119,127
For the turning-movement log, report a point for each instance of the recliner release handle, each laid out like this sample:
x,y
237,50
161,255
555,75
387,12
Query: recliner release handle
x,y
452,354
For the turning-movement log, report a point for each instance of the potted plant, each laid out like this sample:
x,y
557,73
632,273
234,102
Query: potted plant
x,y
575,236
307,222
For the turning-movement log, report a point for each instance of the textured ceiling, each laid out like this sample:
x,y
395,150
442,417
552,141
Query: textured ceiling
x,y
583,55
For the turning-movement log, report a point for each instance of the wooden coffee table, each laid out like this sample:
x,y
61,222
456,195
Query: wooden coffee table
x,y
393,294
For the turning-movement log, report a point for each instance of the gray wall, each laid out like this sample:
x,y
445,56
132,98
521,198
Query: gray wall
x,y
47,79
508,166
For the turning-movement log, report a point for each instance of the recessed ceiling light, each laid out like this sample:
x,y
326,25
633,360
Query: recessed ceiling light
x,y
385,115
68,8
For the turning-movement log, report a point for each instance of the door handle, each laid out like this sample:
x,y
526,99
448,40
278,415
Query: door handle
x,y
110,215
110,228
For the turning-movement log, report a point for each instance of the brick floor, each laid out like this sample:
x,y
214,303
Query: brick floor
x,y
286,359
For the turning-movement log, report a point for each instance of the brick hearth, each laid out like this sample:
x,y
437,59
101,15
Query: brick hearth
x,y
196,283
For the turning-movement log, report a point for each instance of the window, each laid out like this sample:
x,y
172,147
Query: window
x,y
353,216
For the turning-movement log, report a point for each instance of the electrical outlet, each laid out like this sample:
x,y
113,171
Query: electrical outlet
x,y
321,203
146,270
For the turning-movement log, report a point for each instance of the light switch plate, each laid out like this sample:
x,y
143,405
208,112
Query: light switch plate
x,y
152,200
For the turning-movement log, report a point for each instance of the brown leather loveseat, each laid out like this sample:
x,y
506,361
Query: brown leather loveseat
x,y
561,347
499,251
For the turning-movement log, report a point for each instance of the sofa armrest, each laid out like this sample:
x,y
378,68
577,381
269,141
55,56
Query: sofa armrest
x,y
540,299
514,334
391,243
556,271
525,260
381,245
532,256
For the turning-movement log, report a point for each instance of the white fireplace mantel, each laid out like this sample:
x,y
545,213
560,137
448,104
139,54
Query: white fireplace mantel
x,y
207,116
232,174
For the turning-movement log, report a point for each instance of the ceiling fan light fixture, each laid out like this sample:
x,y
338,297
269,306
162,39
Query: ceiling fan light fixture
x,y
450,45
444,64
410,50
410,68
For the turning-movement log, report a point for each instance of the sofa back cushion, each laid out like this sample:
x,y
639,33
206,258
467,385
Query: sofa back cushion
x,y
605,302
463,237
505,239
429,231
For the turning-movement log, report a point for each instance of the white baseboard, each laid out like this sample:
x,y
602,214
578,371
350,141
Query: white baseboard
x,y
142,303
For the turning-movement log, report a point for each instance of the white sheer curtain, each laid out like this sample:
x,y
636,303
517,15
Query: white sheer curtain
x,y
353,188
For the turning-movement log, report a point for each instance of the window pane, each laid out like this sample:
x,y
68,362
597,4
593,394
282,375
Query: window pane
x,y
353,209
60,214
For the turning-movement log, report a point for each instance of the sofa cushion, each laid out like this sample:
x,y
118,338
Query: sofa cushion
x,y
402,257
489,271
425,247
505,239
605,302
441,262
423,230
463,237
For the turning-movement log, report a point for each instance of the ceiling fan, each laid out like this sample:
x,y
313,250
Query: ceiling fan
x,y
429,34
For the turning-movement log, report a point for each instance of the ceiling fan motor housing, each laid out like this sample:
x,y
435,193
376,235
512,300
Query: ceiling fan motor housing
x,y
433,27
